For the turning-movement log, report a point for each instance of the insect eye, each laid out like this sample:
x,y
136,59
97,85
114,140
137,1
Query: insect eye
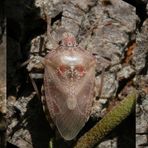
x,y
69,44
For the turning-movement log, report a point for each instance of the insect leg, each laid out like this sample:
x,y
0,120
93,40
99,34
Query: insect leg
x,y
49,36
99,84
34,86
104,63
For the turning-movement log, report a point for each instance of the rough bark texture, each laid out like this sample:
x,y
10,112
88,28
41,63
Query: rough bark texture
x,y
114,30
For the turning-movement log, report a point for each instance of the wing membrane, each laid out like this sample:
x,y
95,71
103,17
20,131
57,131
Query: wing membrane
x,y
69,122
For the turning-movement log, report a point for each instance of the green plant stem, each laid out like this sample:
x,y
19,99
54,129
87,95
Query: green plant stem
x,y
110,121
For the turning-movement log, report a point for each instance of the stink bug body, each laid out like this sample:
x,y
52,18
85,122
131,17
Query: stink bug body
x,y
70,86
69,81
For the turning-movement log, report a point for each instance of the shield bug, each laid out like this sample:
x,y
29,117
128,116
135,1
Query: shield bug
x,y
70,86
69,79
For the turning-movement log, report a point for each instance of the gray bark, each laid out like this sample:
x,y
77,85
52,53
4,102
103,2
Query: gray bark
x,y
110,29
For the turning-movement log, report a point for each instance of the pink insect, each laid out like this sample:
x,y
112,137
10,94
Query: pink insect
x,y
69,82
